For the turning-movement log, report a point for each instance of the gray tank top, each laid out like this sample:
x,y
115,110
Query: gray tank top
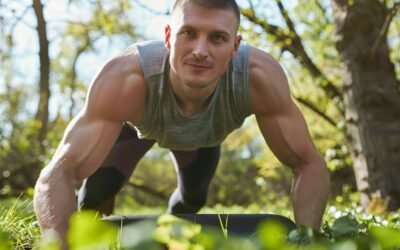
x,y
162,120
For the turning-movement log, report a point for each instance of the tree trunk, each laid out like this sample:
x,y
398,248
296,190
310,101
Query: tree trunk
x,y
372,100
42,114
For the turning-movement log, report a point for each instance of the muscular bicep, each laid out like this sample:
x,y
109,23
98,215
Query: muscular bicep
x,y
280,121
287,135
86,142
116,95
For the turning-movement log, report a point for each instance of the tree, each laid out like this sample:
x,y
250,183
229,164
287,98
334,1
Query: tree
x,y
367,97
371,95
42,113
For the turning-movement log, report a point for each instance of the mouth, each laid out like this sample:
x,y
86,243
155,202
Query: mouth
x,y
199,66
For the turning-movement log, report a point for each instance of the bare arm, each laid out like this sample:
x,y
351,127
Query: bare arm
x,y
116,95
286,133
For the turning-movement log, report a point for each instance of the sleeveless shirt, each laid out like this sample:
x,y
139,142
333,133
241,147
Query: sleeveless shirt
x,y
163,122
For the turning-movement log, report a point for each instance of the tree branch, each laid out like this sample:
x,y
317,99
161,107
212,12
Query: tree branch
x,y
385,28
285,15
298,51
269,28
311,106
19,19
315,109
322,9
292,42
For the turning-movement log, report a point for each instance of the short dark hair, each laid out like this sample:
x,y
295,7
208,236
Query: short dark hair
x,y
212,4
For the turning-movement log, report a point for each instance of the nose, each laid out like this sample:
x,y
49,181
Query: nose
x,y
200,50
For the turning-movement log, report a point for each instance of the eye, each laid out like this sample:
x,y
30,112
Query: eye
x,y
218,38
188,33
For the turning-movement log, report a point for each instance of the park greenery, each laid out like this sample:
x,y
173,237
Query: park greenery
x,y
342,59
342,230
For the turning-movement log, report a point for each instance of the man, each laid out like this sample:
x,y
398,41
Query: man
x,y
187,94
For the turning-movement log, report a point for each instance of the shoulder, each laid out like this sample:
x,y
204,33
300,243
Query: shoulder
x,y
268,85
151,48
151,56
118,90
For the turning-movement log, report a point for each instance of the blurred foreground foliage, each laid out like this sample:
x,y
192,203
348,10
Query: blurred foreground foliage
x,y
342,230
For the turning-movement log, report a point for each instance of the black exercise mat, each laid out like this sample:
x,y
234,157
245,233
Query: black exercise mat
x,y
241,224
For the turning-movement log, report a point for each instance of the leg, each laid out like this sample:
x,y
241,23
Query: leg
x,y
98,191
195,170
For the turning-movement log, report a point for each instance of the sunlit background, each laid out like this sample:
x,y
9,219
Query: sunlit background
x,y
249,177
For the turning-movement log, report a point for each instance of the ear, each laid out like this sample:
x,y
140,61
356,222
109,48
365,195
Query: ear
x,y
167,36
236,45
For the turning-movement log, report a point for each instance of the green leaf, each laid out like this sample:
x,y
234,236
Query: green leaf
x,y
176,232
345,245
345,226
272,235
139,235
387,237
87,231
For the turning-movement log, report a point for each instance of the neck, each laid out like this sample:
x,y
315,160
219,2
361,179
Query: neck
x,y
192,100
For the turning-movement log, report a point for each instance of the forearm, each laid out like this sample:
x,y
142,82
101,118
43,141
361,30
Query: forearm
x,y
54,200
310,192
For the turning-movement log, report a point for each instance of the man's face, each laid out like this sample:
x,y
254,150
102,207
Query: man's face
x,y
201,44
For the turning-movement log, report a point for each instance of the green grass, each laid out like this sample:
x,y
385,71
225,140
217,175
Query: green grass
x,y
344,229
17,227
